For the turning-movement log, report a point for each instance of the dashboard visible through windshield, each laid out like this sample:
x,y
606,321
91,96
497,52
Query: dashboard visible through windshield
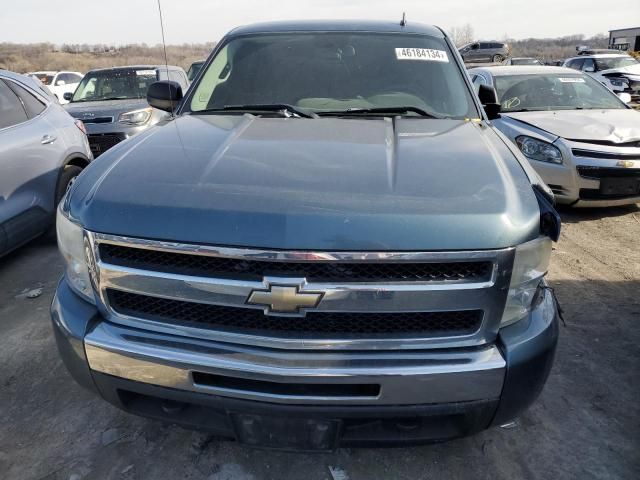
x,y
332,72
607,63
114,84
518,93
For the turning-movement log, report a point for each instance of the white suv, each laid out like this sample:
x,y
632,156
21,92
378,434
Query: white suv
x,y
617,71
59,82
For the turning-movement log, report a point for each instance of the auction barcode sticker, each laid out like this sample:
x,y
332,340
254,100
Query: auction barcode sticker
x,y
572,80
425,54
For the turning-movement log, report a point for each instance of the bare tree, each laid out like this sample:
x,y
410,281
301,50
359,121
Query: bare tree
x,y
462,35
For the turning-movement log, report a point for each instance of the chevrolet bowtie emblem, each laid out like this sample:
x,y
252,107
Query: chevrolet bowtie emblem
x,y
625,163
284,299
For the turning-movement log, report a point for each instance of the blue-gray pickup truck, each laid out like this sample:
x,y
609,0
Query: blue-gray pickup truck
x,y
328,244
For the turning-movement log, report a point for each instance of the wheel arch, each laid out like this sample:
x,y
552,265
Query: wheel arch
x,y
75,159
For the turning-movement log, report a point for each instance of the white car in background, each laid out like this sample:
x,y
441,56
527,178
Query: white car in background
x,y
59,82
581,138
617,71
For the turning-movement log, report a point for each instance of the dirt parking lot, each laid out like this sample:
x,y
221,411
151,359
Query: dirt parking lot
x,y
586,425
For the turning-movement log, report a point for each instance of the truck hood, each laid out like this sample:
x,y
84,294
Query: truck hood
x,y
312,184
618,126
88,110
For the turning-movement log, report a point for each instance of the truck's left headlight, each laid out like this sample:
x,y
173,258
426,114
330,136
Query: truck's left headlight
x,y
530,265
75,250
136,117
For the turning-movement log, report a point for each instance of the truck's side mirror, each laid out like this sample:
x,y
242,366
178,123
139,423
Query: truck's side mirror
x,y
489,100
165,95
67,96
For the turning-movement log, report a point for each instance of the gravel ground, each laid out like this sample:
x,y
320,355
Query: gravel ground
x,y
586,424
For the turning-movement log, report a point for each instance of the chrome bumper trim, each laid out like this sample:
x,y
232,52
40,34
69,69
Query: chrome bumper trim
x,y
405,378
294,255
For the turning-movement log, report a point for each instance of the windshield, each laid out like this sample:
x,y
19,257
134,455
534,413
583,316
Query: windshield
x,y
336,71
608,63
553,92
114,85
194,69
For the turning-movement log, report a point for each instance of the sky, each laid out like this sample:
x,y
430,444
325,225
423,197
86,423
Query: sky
x,y
198,21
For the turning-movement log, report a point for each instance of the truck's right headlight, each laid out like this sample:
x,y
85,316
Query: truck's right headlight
x,y
74,249
529,267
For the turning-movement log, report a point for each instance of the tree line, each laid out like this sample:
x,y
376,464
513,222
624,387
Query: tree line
x,y
546,49
84,57
24,58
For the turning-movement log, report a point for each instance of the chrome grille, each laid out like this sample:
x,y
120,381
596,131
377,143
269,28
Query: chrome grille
x,y
186,264
367,300
314,324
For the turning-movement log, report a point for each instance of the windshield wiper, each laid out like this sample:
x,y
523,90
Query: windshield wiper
x,y
382,111
284,108
107,99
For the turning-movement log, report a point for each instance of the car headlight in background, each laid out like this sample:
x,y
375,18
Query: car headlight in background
x,y
538,150
136,117
529,267
75,250
619,82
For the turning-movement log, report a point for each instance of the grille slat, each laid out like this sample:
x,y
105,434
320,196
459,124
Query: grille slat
x,y
97,120
319,271
317,325
606,155
604,172
100,143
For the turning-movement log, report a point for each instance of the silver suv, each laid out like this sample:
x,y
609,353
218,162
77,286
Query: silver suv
x,y
41,150
112,102
482,52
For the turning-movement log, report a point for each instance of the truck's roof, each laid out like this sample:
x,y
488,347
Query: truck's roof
x,y
338,26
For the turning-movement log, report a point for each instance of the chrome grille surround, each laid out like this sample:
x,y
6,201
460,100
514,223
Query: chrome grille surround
x,y
397,296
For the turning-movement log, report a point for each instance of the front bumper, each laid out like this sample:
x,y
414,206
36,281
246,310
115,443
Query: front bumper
x,y
582,190
327,399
